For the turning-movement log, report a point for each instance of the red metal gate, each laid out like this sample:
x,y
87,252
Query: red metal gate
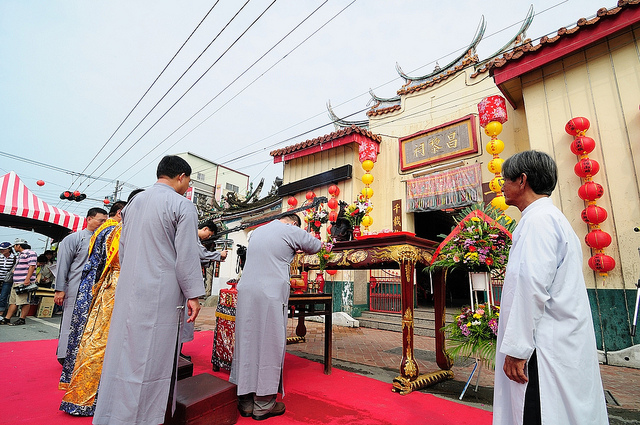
x,y
385,293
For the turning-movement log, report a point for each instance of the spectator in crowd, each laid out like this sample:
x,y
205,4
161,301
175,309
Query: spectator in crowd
x,y
24,274
73,252
7,261
44,276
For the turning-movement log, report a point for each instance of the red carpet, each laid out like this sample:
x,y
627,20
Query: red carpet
x,y
30,373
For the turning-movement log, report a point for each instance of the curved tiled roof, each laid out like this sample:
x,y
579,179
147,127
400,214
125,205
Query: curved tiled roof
x,y
528,47
326,139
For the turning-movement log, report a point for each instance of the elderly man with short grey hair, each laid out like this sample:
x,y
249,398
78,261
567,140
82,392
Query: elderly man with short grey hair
x,y
546,362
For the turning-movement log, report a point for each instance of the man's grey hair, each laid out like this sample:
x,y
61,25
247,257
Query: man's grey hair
x,y
540,169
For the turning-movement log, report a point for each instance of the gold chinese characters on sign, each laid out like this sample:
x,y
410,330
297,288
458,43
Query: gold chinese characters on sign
x,y
444,142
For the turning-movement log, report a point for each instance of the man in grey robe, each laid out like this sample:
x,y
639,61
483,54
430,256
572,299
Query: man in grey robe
x,y
159,268
73,253
205,231
261,315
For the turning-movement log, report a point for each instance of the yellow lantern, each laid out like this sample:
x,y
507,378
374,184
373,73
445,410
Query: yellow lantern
x,y
493,128
495,146
496,184
495,165
367,179
499,203
367,165
367,221
367,192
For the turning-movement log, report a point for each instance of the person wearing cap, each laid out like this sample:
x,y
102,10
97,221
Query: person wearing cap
x,y
23,274
73,253
7,261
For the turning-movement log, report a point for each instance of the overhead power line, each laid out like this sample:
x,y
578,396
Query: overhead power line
x,y
189,89
171,88
147,91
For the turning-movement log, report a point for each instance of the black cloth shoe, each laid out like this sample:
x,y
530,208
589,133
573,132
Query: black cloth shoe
x,y
277,410
5,322
18,322
245,413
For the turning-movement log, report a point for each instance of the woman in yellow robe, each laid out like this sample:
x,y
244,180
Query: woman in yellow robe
x,y
81,394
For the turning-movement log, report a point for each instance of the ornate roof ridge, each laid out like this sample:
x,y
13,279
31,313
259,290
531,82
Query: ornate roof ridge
x,y
342,123
467,53
528,47
327,138
383,105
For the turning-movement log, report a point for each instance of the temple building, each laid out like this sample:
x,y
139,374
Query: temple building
x,y
431,158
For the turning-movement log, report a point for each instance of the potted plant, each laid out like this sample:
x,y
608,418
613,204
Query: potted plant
x,y
356,211
315,218
479,244
324,256
474,334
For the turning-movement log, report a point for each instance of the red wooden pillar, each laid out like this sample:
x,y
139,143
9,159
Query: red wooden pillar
x,y
408,367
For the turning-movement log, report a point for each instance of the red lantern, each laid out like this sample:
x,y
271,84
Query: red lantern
x,y
577,126
332,203
40,182
583,145
492,108
602,263
332,190
106,202
594,214
333,216
598,239
332,272
310,195
590,191
292,202
586,167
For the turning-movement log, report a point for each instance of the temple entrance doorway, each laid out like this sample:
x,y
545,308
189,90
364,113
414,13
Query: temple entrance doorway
x,y
430,225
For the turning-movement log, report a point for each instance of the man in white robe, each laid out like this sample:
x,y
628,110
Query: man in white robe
x,y
160,267
73,253
261,314
546,361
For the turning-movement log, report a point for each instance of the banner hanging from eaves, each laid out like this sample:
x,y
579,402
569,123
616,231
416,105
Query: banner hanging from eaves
x,y
448,189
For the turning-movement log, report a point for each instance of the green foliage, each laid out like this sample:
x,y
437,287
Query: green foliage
x,y
474,334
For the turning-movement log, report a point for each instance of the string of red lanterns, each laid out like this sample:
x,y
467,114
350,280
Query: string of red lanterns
x,y
590,191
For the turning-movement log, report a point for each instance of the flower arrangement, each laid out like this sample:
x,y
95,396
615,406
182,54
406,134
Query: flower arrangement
x,y
316,218
324,255
479,243
474,334
356,211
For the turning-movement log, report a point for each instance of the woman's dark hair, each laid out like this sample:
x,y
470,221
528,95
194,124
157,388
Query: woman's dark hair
x,y
42,259
540,169
172,166
134,193
209,224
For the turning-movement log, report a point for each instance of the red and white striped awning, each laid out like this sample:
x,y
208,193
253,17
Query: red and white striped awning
x,y
17,200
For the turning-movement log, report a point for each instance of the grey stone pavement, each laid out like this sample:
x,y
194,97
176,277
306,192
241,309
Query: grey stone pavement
x,y
377,354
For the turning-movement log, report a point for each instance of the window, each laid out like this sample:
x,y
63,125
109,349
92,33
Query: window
x,y
200,176
232,188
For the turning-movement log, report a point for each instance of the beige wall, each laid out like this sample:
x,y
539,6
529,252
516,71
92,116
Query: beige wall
x,y
449,100
603,85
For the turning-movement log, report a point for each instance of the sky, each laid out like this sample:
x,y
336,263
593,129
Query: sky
x,y
77,90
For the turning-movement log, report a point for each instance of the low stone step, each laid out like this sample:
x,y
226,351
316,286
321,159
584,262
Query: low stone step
x,y
423,321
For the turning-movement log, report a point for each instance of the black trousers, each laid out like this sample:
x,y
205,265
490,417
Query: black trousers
x,y
532,415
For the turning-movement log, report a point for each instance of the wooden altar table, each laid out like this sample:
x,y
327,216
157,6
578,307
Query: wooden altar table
x,y
305,304
401,250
